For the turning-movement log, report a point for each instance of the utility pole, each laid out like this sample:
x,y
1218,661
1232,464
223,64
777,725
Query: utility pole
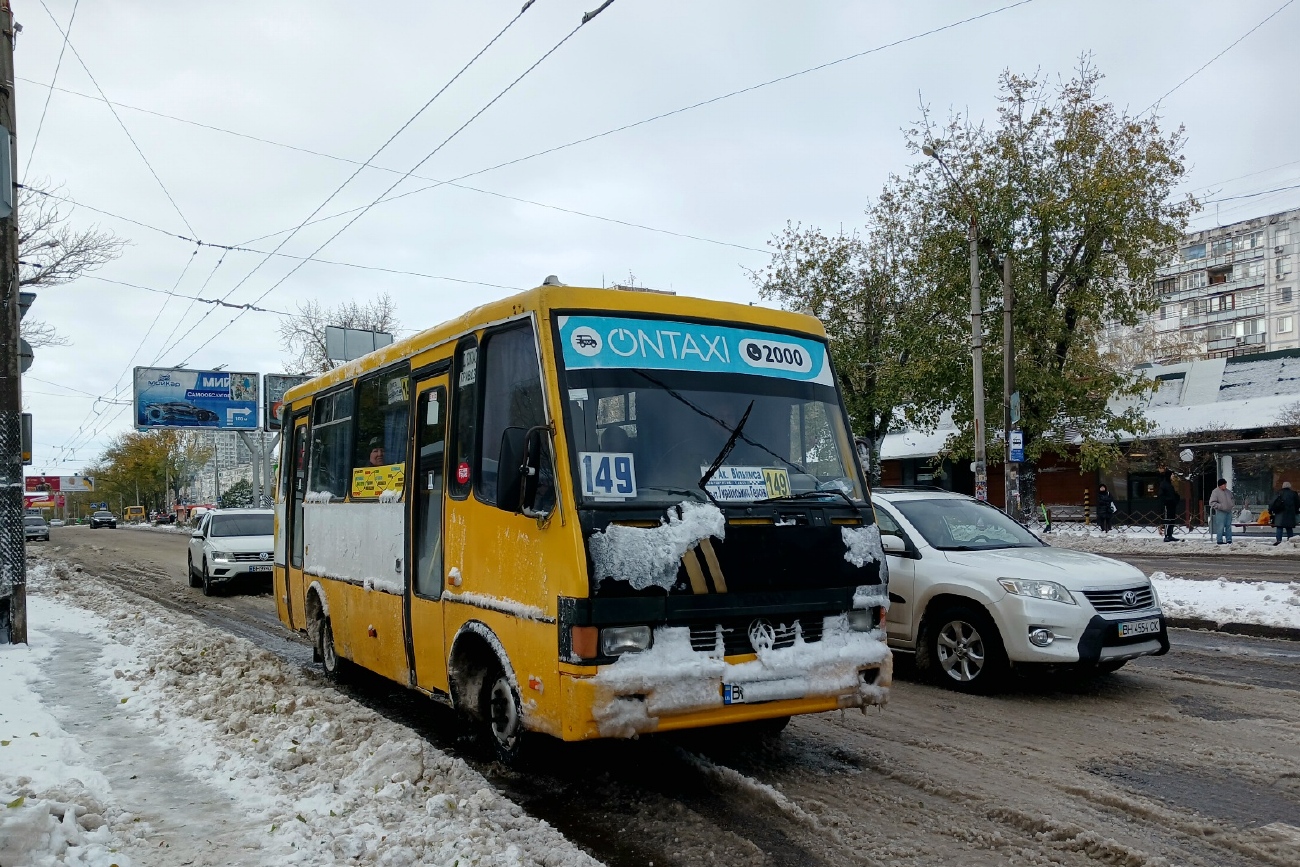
x,y
13,547
1011,469
980,465
977,360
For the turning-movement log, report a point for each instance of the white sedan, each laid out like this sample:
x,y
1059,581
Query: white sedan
x,y
230,544
975,594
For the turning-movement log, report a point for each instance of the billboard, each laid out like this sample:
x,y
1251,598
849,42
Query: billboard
x,y
274,385
54,484
179,399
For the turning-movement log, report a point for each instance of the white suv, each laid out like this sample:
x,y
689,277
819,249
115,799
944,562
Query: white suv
x,y
229,544
974,594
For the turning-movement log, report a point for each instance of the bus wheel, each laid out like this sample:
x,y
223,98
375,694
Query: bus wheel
x,y
329,657
501,711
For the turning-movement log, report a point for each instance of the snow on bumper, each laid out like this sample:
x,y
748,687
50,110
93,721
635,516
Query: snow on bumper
x,y
844,669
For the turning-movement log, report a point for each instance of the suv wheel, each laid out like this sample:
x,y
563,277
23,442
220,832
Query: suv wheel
x,y
961,649
189,572
206,580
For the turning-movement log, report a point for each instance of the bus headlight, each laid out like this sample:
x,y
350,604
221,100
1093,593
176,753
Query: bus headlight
x,y
863,619
617,640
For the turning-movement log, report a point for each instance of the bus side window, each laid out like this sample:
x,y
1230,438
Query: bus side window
x,y
331,444
512,397
466,418
383,408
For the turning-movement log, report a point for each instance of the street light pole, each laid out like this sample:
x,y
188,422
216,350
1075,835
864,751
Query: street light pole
x,y
1011,470
976,331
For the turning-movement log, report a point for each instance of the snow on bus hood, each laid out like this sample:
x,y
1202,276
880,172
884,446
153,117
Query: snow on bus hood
x,y
1074,569
649,556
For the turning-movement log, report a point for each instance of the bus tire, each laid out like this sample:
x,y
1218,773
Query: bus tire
x,y
502,715
330,660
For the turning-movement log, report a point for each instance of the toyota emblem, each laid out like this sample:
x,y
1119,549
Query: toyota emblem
x,y
761,636
264,556
1130,598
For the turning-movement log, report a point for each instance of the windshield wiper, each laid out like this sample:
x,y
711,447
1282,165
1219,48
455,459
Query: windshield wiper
x,y
808,495
722,455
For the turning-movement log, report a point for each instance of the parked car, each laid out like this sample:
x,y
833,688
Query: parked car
x,y
974,595
57,522
103,518
230,544
35,528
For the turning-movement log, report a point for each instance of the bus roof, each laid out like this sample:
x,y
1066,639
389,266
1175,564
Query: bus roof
x,y
543,300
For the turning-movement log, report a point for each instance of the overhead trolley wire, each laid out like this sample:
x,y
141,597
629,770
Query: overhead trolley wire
x,y
31,155
118,118
410,120
1202,67
666,114
587,18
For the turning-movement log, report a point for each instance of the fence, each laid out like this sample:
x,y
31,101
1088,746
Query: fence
x,y
1193,520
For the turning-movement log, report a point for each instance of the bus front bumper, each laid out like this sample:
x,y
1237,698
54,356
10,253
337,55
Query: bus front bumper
x,y
671,686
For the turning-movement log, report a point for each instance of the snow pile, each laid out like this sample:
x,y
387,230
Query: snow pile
x,y
863,544
323,779
1225,601
1149,541
650,556
53,806
673,678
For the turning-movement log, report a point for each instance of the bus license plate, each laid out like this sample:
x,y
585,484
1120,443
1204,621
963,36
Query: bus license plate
x,y
1150,626
732,694
260,567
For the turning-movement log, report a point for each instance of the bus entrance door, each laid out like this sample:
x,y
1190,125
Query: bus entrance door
x,y
293,594
425,498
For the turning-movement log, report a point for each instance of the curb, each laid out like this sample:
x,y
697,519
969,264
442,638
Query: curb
x,y
1255,630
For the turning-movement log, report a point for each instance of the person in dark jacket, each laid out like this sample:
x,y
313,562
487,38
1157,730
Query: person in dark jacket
x,y
1169,498
1105,508
1283,509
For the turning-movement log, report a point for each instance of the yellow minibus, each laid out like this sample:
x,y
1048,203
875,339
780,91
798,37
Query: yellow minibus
x,y
588,513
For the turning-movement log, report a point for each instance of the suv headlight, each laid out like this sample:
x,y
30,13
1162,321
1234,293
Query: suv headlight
x,y
1048,590
222,556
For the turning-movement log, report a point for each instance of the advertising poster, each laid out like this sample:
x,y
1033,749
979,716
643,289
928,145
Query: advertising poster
x,y
274,385
180,399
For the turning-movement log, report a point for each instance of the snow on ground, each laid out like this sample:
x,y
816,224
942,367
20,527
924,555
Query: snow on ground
x,y
1225,601
183,529
238,756
1149,540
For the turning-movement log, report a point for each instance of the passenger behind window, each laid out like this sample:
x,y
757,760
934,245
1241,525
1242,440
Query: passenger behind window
x,y
377,453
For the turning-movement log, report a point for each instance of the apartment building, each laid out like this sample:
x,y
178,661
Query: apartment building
x,y
1231,290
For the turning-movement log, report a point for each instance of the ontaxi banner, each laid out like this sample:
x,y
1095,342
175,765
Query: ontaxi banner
x,y
659,344
178,399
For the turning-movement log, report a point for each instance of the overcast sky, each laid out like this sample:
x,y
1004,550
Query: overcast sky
x,y
339,78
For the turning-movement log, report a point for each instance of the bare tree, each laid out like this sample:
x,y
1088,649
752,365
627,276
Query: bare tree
x,y
50,251
38,333
303,336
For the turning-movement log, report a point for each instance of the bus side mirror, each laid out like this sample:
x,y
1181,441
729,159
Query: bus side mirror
x,y
519,469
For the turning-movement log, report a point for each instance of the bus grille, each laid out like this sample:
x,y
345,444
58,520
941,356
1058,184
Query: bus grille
x,y
735,633
1113,600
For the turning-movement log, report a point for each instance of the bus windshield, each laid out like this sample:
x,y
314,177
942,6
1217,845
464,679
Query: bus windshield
x,y
651,435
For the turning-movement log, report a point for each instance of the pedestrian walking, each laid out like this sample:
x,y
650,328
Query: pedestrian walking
x,y
1221,505
1106,508
1283,509
1169,502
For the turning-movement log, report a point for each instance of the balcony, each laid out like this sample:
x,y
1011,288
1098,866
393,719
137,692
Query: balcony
x,y
1202,319
1235,342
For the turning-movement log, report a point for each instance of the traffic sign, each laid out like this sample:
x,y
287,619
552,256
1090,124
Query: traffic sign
x,y
1017,447
1015,407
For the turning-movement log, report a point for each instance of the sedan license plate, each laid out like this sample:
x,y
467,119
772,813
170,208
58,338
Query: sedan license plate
x,y
260,567
1150,626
